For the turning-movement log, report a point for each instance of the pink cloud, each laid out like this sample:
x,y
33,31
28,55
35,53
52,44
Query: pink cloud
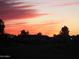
x,y
13,11
68,4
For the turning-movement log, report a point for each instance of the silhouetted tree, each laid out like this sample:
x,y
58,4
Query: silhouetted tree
x,y
62,39
24,33
64,31
39,34
2,26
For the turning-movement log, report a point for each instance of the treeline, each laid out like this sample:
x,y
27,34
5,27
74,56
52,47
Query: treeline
x,y
24,37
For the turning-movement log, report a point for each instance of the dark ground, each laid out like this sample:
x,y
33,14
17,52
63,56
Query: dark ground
x,y
23,51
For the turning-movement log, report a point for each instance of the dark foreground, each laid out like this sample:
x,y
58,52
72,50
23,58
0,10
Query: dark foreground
x,y
25,46
18,50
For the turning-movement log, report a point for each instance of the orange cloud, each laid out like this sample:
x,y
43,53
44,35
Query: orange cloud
x,y
47,28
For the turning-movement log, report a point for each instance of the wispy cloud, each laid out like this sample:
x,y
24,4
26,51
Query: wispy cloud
x,y
68,4
14,10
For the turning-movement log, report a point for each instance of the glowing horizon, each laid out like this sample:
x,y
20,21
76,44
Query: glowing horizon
x,y
45,16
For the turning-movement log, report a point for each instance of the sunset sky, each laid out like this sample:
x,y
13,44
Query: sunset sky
x,y
45,16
